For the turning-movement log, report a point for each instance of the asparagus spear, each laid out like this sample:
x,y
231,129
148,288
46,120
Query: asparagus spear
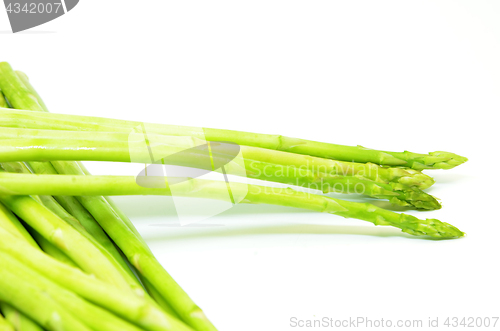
x,y
34,302
18,321
12,225
5,325
120,151
3,102
50,203
95,318
126,185
120,231
24,79
75,245
136,309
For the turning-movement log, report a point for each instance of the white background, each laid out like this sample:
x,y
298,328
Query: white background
x,y
395,75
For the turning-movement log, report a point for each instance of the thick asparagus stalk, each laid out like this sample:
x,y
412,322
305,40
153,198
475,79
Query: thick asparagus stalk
x,y
17,320
5,325
95,318
3,102
120,231
24,79
120,151
135,309
34,302
10,223
75,245
123,185
90,225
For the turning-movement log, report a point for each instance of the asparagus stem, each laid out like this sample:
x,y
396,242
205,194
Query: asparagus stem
x,y
110,220
17,320
121,151
95,318
10,223
34,302
187,187
3,102
24,79
52,250
91,225
75,245
5,325
251,154
136,309
20,97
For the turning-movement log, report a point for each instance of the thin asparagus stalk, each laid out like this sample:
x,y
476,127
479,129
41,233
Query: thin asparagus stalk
x,y
18,321
34,302
111,222
25,80
187,187
75,245
52,250
94,317
318,165
132,308
91,225
5,325
144,314
135,309
74,208
11,223
3,102
120,151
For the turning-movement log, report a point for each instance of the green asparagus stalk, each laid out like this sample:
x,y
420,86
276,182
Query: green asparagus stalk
x,y
187,187
35,303
136,309
52,250
121,233
417,161
12,225
90,225
3,102
82,218
5,325
121,151
18,321
318,165
24,79
70,241
16,240
95,318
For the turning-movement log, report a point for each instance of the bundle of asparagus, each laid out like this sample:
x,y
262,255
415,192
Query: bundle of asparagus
x,y
71,260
